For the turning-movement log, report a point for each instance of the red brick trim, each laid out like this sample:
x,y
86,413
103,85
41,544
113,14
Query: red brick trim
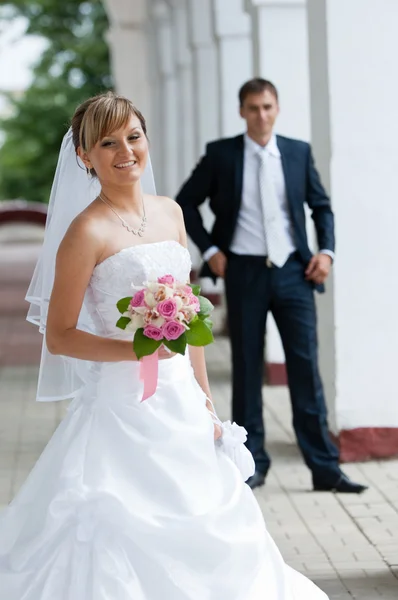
x,y
355,445
21,211
366,443
275,373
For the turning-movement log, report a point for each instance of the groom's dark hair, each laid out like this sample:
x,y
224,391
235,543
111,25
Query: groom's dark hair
x,y
256,86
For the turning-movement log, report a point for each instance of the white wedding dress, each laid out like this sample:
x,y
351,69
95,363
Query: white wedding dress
x,y
131,500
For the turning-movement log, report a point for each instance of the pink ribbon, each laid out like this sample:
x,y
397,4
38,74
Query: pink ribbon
x,y
149,374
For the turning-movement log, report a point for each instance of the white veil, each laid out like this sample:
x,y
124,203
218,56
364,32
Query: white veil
x,y
61,377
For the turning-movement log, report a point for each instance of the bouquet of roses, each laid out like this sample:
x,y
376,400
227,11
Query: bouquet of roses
x,y
165,312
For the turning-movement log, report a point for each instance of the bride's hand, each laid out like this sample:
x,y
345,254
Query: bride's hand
x,y
164,353
217,431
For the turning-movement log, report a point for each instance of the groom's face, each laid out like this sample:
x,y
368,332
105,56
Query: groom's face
x,y
260,112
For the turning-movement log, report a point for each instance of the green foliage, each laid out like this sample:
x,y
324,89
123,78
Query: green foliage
x,y
206,306
123,304
123,322
199,334
195,289
74,67
144,346
178,345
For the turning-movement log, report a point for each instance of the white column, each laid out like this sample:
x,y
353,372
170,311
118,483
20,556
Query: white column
x,y
353,50
280,54
185,94
169,123
156,125
127,38
233,35
205,97
205,74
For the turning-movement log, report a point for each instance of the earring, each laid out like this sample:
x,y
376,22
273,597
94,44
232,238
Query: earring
x,y
89,174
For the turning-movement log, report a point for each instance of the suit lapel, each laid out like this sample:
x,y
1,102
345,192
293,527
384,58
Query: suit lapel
x,y
287,166
238,173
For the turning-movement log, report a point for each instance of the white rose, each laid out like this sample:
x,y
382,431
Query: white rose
x,y
137,321
150,299
153,286
179,302
159,322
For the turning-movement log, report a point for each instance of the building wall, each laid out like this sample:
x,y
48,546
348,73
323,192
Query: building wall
x,y
333,62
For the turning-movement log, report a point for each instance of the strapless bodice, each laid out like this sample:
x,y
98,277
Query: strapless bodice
x,y
133,266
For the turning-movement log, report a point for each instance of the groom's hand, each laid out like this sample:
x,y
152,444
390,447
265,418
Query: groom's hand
x,y
318,268
218,263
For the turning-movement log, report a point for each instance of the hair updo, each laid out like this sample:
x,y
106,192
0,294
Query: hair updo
x,y
99,116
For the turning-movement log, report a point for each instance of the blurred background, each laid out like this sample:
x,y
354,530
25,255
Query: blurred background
x,y
182,63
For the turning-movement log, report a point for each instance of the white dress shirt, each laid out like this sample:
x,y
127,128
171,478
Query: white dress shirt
x,y
249,236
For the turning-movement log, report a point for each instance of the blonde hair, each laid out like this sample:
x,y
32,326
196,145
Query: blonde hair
x,y
99,116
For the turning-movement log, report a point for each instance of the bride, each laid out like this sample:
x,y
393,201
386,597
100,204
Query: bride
x,y
130,500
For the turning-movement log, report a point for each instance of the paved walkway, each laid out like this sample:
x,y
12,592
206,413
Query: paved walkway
x,y
347,544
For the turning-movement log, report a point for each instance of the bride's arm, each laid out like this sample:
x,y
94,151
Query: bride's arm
x,y
77,256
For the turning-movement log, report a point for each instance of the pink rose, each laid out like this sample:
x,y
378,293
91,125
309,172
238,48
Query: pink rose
x,y
166,279
168,308
153,332
194,303
186,289
138,299
183,291
172,330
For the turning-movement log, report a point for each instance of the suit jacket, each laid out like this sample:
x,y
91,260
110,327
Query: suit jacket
x,y
219,176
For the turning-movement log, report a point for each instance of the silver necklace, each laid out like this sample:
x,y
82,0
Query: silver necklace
x,y
140,231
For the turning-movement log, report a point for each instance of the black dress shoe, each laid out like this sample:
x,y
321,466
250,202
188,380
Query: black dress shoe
x,y
343,486
256,480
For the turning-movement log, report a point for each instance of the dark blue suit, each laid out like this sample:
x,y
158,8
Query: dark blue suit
x,y
252,289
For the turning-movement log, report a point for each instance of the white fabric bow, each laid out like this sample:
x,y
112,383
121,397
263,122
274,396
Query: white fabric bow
x,y
233,434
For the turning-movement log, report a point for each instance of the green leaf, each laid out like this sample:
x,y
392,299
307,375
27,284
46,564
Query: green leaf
x,y
123,304
206,306
199,334
195,289
74,66
208,323
206,320
123,322
143,345
178,346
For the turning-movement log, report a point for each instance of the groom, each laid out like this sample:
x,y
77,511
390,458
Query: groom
x,y
258,184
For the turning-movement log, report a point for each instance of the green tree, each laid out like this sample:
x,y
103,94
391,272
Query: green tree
x,y
74,67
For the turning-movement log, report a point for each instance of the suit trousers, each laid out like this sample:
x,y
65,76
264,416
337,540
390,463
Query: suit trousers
x,y
252,289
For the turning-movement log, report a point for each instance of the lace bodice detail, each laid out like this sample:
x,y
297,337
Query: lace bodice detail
x,y
113,279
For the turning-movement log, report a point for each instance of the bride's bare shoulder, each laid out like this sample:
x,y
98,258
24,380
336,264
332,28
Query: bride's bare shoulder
x,y
86,230
167,215
165,205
